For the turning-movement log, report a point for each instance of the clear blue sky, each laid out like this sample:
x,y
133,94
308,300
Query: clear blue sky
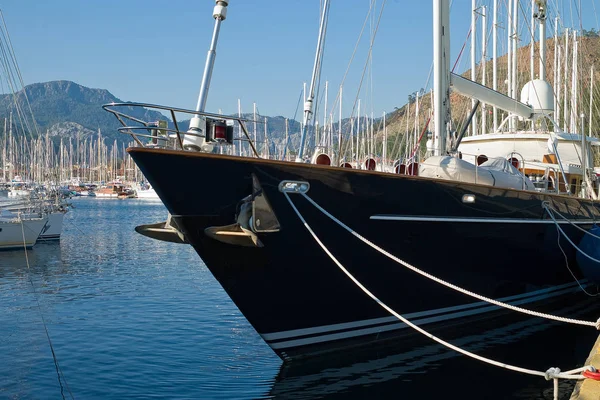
x,y
154,51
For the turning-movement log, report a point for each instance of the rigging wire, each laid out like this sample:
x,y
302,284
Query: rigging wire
x,y
335,102
59,373
365,67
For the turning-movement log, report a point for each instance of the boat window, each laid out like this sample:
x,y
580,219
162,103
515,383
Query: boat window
x,y
481,159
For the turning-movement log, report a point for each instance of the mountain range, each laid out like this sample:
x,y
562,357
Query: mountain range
x,y
66,109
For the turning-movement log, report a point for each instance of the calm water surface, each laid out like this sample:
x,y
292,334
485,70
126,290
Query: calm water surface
x,y
130,317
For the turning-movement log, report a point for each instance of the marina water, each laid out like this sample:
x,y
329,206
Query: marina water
x,y
130,317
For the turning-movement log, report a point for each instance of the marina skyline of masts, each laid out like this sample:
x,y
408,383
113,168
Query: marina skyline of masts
x,y
564,63
42,160
91,160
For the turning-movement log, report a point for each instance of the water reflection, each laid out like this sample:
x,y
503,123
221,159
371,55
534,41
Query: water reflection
x,y
131,317
429,370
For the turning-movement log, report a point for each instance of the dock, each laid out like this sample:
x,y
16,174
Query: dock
x,y
589,389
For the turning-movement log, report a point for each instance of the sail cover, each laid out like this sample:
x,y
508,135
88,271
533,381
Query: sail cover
x,y
495,172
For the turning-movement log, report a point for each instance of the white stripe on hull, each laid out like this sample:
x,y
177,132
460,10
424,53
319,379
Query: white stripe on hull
x,y
476,220
49,237
365,327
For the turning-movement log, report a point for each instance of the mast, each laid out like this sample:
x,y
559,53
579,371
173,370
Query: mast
x,y
384,150
10,151
254,125
330,134
219,14
339,158
197,124
556,72
515,21
240,127
495,57
557,112
591,100
473,61
441,48
509,52
532,43
566,77
287,138
358,125
574,115
416,128
541,15
4,154
324,138
266,141
483,56
308,104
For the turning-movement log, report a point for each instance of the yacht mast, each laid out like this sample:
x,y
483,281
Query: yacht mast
x,y
483,69
566,77
495,57
441,48
532,43
574,80
556,73
266,149
219,14
197,124
384,150
541,16
509,48
4,154
339,158
324,138
308,104
240,128
515,21
254,124
473,61
591,101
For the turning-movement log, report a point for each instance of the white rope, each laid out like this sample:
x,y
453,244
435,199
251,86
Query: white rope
x,y
558,236
553,210
551,373
566,237
450,285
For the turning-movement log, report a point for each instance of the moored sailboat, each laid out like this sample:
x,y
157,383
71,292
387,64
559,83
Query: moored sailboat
x,y
21,231
275,234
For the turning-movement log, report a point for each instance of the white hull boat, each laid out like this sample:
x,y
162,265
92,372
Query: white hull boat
x,y
16,233
53,228
19,193
102,195
147,194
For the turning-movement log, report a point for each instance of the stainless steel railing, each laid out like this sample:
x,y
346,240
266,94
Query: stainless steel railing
x,y
159,133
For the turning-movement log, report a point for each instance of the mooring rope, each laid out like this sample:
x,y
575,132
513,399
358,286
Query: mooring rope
x,y
545,206
59,372
567,259
550,374
595,324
